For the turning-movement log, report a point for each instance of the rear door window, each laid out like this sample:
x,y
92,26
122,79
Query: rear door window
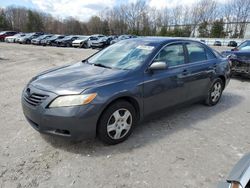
x,y
173,55
196,53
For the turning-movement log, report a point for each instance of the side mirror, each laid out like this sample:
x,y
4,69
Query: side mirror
x,y
158,65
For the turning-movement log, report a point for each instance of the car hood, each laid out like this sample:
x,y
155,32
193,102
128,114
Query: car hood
x,y
62,40
25,37
10,37
74,79
79,41
241,55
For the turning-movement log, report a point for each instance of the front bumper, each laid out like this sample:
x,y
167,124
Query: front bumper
x,y
76,123
76,44
35,42
98,45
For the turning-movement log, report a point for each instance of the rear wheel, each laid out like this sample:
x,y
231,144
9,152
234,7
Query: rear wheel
x,y
215,92
117,122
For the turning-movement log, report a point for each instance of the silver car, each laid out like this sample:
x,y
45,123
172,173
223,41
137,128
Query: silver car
x,y
239,176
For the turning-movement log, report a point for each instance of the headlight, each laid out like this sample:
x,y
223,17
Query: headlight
x,y
72,100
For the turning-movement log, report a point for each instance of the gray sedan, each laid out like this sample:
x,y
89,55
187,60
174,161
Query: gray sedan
x,y
110,92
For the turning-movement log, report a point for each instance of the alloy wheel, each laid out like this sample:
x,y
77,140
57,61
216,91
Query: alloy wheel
x,y
216,92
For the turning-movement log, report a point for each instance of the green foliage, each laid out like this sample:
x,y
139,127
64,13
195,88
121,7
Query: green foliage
x,y
35,22
176,32
203,29
3,21
217,30
163,31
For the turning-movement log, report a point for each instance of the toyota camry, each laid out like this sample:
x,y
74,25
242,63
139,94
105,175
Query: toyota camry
x,y
107,94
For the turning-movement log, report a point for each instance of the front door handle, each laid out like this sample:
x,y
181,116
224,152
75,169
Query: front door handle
x,y
185,72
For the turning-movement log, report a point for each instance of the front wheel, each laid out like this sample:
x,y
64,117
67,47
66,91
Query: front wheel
x,y
215,92
117,122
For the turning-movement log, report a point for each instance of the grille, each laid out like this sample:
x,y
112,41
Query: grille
x,y
34,99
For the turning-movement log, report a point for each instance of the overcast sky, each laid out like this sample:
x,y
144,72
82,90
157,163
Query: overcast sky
x,y
84,9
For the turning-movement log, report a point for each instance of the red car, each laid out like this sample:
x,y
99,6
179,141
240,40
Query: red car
x,y
4,34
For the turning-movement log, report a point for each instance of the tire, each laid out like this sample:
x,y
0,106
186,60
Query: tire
x,y
215,92
84,45
120,126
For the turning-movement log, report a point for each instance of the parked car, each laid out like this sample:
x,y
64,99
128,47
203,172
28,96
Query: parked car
x,y
101,42
66,41
4,34
109,92
232,44
37,41
217,43
51,41
81,42
12,39
239,177
94,38
203,41
122,37
240,59
27,38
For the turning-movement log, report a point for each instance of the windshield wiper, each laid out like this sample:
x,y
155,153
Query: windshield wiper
x,y
101,65
85,61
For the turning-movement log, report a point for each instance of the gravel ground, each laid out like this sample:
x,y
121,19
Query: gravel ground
x,y
193,146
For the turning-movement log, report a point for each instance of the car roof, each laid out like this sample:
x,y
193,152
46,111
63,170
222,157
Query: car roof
x,y
162,40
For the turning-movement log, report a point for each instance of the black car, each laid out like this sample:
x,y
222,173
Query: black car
x,y
217,43
203,41
52,41
232,44
108,93
66,41
240,59
102,42
37,41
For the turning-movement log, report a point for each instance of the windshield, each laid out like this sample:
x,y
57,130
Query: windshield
x,y
42,36
102,38
29,34
123,37
123,55
68,37
83,38
54,37
244,46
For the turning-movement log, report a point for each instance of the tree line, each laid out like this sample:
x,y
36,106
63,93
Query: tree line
x,y
208,17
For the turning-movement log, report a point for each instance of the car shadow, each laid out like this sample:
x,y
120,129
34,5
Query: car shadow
x,y
153,129
241,78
